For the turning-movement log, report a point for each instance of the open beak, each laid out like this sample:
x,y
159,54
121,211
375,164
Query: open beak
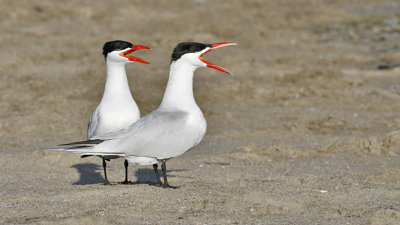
x,y
128,54
214,46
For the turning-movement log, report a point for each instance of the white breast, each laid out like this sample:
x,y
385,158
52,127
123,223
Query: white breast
x,y
116,117
197,123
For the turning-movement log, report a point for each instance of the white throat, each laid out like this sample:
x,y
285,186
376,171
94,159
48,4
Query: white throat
x,y
116,83
179,91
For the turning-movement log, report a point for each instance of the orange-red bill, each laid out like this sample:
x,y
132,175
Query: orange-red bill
x,y
128,54
211,65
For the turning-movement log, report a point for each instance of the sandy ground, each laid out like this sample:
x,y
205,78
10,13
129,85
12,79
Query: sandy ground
x,y
306,132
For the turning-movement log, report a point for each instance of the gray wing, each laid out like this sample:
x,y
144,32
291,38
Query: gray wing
x,y
135,126
153,121
93,122
159,134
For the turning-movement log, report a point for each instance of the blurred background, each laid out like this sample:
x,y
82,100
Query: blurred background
x,y
313,105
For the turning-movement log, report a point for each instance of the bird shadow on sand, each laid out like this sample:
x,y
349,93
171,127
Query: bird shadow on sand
x,y
147,176
89,174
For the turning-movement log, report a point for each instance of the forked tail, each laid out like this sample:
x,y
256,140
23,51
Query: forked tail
x,y
84,148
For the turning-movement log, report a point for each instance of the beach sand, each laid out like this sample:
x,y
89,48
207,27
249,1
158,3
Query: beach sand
x,y
307,131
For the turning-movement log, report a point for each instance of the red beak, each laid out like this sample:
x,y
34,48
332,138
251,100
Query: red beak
x,y
214,46
127,54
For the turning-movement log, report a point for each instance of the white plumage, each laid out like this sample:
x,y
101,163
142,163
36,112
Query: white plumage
x,y
174,128
117,109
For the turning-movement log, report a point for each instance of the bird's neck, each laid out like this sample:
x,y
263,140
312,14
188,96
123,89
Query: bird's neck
x,y
116,83
179,91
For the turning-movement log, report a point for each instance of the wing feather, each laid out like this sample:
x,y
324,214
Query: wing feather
x,y
160,134
93,122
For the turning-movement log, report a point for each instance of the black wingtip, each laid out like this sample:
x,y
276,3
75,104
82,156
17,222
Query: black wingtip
x,y
88,142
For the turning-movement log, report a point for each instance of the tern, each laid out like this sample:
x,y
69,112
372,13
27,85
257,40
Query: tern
x,y
117,109
175,127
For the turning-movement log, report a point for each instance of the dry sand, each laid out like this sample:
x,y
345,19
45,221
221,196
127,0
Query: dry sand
x,y
306,132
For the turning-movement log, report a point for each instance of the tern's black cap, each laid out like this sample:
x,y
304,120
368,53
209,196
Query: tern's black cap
x,y
115,46
187,47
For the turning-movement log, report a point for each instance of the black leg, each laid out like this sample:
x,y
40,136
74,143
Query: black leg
x,y
105,172
155,166
164,170
126,172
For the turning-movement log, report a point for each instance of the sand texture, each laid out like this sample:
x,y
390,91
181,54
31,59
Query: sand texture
x,y
307,131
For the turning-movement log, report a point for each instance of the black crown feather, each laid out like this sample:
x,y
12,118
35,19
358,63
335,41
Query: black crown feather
x,y
115,46
187,47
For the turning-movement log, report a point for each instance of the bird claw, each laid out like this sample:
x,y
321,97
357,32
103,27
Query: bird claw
x,y
126,182
107,183
169,186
